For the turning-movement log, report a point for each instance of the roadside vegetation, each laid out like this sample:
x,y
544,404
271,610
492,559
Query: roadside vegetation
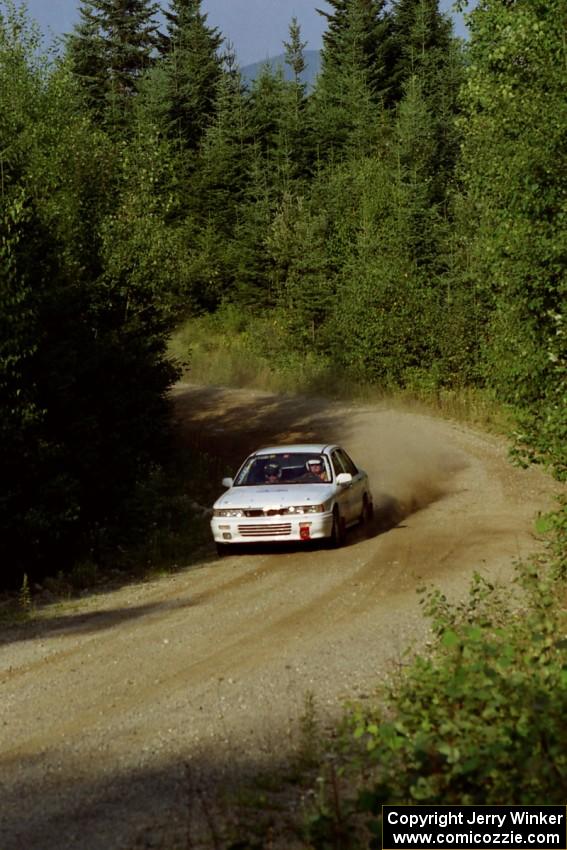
x,y
224,351
475,719
397,230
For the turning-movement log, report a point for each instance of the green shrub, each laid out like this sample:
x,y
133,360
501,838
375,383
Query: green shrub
x,y
480,720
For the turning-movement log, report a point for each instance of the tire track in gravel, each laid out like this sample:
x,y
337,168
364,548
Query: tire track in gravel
x,y
235,655
94,691
240,652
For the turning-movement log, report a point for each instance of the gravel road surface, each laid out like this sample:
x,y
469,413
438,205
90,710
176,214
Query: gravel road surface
x,y
108,702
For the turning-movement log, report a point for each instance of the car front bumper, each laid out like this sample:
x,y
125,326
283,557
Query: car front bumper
x,y
272,529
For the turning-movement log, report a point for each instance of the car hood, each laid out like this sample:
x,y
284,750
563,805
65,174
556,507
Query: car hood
x,y
273,496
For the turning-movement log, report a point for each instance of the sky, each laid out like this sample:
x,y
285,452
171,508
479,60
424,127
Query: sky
x,y
256,28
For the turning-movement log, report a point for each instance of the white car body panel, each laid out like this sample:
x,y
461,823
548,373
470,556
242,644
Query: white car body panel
x,y
265,507
276,495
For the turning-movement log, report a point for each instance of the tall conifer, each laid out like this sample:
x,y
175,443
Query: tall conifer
x,y
111,47
294,52
295,100
421,44
87,51
370,22
193,68
343,108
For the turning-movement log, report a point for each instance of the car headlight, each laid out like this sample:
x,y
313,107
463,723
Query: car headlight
x,y
227,512
306,509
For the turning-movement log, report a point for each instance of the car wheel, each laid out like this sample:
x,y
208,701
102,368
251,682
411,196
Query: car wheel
x,y
222,549
338,531
367,511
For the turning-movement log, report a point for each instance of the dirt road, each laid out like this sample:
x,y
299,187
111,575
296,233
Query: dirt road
x,y
108,701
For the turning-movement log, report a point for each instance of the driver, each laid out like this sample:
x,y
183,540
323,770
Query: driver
x,y
272,473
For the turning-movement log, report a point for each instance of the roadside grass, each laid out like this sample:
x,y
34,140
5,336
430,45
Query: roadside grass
x,y
16,608
265,799
219,350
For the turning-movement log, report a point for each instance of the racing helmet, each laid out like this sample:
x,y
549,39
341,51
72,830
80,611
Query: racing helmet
x,y
314,461
272,470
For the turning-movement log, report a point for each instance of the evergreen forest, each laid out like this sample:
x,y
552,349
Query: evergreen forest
x,y
402,224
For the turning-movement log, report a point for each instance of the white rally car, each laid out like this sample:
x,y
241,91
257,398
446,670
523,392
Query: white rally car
x,y
299,492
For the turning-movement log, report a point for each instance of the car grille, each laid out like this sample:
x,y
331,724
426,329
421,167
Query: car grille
x,y
255,512
281,529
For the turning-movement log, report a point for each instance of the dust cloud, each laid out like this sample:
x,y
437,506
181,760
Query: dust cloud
x,y
407,457
409,465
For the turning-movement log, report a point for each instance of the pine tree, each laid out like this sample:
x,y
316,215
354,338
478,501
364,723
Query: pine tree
x,y
277,154
87,52
272,117
369,23
193,66
415,169
421,44
219,180
343,109
111,47
429,59
383,326
294,53
223,162
295,101
302,278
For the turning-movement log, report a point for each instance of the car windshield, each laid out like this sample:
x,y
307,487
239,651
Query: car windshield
x,y
284,468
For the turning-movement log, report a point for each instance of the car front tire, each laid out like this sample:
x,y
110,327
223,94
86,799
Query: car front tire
x,y
223,549
338,530
367,514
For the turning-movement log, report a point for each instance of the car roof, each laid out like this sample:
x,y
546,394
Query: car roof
x,y
301,448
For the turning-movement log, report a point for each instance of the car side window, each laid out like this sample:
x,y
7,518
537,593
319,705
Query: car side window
x,y
336,461
347,462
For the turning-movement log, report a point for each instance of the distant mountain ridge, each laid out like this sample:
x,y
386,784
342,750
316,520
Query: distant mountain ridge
x,y
312,67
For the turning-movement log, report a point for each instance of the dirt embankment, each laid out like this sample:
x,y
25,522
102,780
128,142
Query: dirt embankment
x,y
108,703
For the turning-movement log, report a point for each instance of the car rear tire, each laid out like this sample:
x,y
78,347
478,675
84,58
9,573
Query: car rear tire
x,y
338,531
